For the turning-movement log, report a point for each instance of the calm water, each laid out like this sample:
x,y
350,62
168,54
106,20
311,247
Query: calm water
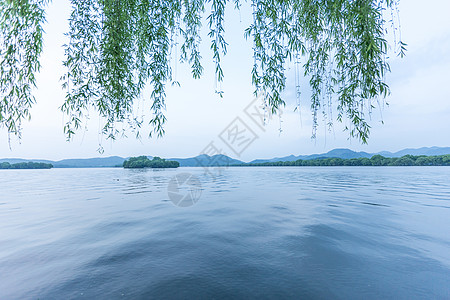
x,y
325,233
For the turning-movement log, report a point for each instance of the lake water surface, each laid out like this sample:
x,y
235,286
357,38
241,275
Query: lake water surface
x,y
255,232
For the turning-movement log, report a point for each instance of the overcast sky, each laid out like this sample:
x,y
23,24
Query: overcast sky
x,y
418,114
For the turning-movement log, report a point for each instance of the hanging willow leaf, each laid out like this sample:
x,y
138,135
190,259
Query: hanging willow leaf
x,y
20,48
117,48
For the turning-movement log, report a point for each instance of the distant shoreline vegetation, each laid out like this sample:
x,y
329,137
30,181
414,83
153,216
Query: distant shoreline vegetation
x,y
25,165
376,160
143,162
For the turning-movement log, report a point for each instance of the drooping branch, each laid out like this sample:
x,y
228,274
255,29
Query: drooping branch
x,y
20,48
117,48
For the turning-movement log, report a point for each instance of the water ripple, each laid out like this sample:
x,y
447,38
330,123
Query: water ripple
x,y
269,232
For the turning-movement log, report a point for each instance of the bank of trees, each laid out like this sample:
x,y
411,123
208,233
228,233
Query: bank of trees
x,y
145,162
376,160
25,165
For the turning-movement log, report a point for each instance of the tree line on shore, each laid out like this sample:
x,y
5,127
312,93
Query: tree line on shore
x,y
25,165
144,162
376,160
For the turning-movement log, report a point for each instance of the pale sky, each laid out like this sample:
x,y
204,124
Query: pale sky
x,y
418,114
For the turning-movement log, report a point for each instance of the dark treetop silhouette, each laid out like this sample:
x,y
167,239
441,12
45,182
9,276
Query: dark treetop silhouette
x,y
25,165
144,162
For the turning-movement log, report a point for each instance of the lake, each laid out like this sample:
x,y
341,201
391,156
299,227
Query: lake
x,y
252,232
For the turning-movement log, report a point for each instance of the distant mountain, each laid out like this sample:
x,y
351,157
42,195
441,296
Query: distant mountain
x,y
99,162
349,154
429,151
345,153
207,161
340,153
114,161
20,160
222,160
285,158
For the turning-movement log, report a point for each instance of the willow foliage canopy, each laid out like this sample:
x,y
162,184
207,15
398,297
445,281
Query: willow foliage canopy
x,y
116,48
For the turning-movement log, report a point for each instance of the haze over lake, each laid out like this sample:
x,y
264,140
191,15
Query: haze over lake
x,y
266,232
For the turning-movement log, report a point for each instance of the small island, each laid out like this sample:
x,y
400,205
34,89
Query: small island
x,y
25,165
144,162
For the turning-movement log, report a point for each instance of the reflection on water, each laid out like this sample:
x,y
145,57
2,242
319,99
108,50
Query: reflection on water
x,y
275,232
